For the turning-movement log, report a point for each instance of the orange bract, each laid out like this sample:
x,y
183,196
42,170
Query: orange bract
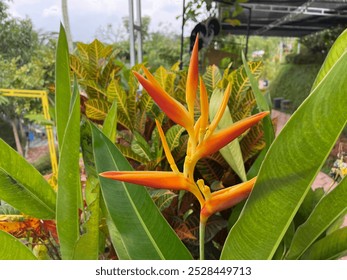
x,y
203,140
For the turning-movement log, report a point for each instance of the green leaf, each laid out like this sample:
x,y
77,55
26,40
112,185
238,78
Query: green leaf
x,y
143,232
232,152
129,153
336,52
62,85
328,210
290,167
162,198
173,135
140,146
212,77
263,105
12,249
110,123
333,246
115,91
87,247
69,184
22,186
97,109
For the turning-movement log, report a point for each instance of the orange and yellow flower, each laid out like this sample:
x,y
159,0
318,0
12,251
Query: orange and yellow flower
x,y
203,141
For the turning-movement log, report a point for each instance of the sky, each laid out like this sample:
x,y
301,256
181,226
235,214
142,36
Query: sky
x,y
87,16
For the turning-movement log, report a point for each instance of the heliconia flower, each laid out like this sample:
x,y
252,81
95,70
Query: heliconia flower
x,y
192,78
221,138
221,110
167,151
171,107
204,110
226,198
156,179
153,179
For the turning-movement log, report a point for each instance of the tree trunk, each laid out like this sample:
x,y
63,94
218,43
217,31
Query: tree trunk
x,y
16,137
66,23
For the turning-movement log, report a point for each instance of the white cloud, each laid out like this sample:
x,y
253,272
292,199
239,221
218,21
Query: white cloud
x,y
51,11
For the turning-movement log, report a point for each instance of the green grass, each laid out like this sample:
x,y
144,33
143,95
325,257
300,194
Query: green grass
x,y
294,82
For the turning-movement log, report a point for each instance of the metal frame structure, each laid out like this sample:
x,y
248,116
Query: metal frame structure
x,y
286,18
135,30
49,130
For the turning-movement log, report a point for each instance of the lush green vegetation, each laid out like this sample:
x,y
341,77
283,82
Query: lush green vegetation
x,y
294,82
282,218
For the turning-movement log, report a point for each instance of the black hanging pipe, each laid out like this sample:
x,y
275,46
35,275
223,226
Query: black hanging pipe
x,y
182,35
248,28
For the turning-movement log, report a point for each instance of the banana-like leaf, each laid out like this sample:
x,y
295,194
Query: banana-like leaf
x,y
23,187
320,219
307,206
12,249
87,246
69,198
173,136
290,166
231,152
333,246
62,86
142,231
338,50
97,109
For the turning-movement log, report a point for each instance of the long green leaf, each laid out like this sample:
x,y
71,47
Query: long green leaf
x,y
290,167
329,209
232,152
333,246
22,186
110,123
12,249
338,49
269,133
87,246
143,232
62,88
69,184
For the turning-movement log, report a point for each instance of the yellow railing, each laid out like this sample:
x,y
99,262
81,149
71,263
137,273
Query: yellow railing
x,y
49,131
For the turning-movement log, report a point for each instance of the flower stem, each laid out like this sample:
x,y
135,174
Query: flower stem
x,y
202,239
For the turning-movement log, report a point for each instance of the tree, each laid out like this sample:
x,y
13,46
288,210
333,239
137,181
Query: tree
x,y
25,63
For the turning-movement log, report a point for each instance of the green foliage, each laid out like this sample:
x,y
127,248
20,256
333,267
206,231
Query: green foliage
x,y
289,168
294,82
23,187
282,219
133,212
13,249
